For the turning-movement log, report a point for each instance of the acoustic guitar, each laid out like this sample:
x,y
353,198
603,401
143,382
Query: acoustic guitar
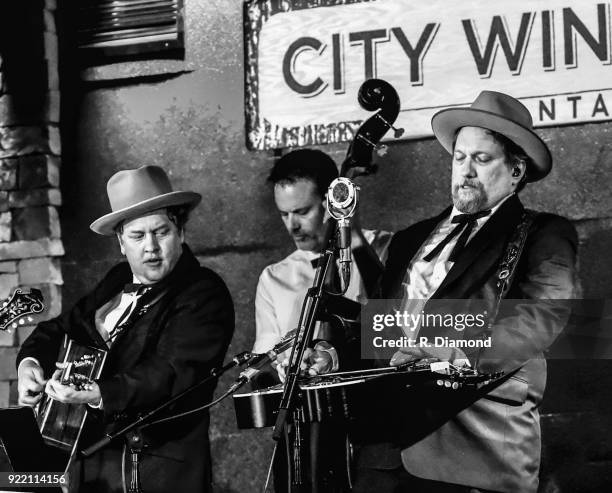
x,y
60,424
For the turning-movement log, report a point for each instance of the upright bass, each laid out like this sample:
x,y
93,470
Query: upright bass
x,y
374,95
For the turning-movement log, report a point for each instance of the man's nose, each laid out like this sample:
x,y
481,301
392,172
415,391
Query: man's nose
x,y
293,222
151,243
468,168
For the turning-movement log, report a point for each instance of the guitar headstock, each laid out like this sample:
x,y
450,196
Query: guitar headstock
x,y
78,373
20,304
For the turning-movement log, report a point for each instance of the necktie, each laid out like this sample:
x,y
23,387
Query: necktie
x,y
465,222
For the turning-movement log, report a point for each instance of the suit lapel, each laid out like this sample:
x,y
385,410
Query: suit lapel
x,y
486,245
408,245
107,289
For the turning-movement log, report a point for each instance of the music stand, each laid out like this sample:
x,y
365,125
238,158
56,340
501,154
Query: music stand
x,y
25,446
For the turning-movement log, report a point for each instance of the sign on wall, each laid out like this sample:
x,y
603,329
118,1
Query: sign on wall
x,y
305,61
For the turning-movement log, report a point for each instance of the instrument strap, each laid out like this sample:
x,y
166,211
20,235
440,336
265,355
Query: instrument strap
x,y
506,270
507,267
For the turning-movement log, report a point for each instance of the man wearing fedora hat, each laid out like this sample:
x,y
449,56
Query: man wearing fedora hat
x,y
484,247
165,322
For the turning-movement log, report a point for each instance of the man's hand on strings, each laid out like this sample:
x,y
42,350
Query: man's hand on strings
x,y
315,361
68,394
409,354
30,383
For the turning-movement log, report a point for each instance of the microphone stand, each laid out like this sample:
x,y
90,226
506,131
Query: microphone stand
x,y
135,439
305,331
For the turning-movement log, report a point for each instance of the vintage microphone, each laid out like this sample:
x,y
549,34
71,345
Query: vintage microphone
x,y
342,199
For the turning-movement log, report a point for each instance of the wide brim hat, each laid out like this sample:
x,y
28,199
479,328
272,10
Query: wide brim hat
x,y
501,113
135,192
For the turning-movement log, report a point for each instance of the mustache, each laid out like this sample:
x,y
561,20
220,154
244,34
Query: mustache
x,y
469,183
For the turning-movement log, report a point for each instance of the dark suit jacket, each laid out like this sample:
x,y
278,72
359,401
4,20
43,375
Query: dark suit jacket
x,y
488,439
174,344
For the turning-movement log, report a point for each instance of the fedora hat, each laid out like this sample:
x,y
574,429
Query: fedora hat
x,y
501,113
134,192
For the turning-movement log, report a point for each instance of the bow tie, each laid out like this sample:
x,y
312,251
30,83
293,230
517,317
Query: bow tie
x,y
465,222
136,289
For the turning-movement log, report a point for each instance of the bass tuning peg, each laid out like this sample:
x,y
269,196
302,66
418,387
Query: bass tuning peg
x,y
397,132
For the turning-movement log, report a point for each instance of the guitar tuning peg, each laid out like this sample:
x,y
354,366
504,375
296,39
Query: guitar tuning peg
x,y
30,318
4,304
21,321
14,325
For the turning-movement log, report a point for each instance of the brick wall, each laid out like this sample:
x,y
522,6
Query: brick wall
x,y
30,239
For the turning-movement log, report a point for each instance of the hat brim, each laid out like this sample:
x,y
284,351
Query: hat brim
x,y
106,224
446,123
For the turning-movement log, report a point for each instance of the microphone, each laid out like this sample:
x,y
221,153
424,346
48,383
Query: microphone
x,y
238,360
342,197
344,240
258,361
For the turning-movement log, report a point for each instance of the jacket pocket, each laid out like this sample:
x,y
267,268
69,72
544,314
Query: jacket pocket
x,y
512,392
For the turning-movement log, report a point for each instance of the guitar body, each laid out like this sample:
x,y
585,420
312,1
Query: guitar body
x,y
61,424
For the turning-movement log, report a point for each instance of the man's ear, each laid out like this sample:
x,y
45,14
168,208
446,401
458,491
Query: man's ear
x,y
120,243
326,215
518,170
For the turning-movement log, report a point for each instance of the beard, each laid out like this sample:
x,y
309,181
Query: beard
x,y
469,200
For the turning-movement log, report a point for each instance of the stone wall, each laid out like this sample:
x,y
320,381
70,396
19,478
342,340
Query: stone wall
x,y
30,239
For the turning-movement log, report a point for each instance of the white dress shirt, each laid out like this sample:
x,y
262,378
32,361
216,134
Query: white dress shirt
x,y
282,288
109,314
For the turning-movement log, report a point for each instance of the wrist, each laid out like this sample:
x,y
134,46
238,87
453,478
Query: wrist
x,y
96,399
27,364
